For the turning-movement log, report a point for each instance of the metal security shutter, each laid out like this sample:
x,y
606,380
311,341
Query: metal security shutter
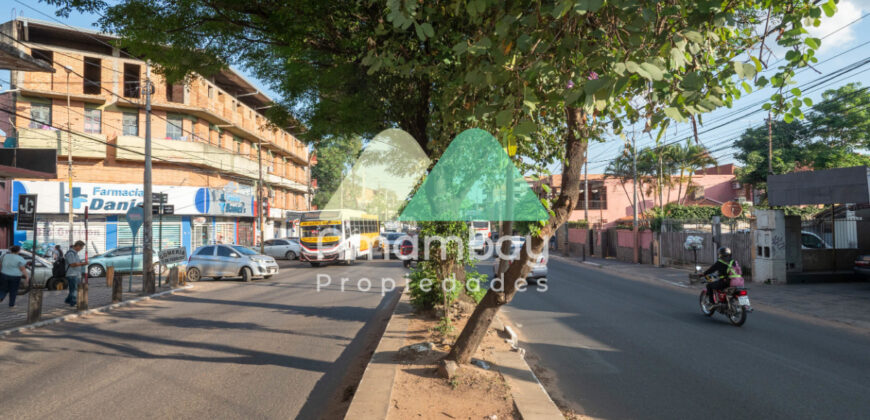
x,y
246,233
171,233
54,230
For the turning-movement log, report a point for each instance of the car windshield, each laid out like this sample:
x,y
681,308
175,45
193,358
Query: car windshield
x,y
245,250
394,236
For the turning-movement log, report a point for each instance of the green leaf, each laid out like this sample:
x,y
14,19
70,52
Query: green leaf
x,y
829,8
796,92
694,36
808,102
655,73
594,85
419,31
619,68
525,128
758,66
428,30
678,58
504,117
674,113
584,6
693,81
813,43
460,47
746,87
787,118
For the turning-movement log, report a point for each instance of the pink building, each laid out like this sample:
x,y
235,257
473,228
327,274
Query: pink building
x,y
610,200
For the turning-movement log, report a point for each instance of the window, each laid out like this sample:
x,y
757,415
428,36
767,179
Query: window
x,y
93,75
210,92
40,115
131,80
223,251
92,120
45,55
122,252
131,124
238,144
175,92
173,127
597,196
206,251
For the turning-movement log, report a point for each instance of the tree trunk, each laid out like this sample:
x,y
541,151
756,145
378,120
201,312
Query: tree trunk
x,y
475,330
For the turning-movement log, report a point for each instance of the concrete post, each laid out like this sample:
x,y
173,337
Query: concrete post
x,y
34,305
82,303
117,286
173,277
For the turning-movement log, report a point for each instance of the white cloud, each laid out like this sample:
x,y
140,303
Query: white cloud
x,y
847,11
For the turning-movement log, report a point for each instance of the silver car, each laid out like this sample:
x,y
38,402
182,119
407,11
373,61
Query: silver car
x,y
41,273
539,268
218,261
287,248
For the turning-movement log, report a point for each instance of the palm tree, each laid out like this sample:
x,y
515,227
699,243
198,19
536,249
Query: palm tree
x,y
698,157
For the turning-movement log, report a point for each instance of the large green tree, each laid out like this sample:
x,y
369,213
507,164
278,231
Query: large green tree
x,y
334,157
547,75
835,132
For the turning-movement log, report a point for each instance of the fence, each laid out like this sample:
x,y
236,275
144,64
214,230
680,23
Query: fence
x,y
734,234
848,233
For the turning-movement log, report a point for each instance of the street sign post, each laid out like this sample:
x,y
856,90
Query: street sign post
x,y
27,212
135,217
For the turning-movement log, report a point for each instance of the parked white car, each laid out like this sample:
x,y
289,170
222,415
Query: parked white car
x,y
810,240
287,248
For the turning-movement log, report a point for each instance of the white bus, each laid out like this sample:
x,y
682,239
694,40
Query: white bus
x,y
337,235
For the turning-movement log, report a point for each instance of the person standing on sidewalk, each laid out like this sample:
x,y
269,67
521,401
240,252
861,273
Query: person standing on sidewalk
x,y
74,269
12,268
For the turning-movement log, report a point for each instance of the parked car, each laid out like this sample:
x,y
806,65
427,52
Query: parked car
x,y
219,261
120,259
862,266
810,240
287,248
41,273
388,246
539,269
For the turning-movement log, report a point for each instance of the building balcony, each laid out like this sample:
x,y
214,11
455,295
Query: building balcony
x,y
91,146
132,148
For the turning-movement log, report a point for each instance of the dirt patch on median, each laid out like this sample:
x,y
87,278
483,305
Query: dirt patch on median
x,y
474,393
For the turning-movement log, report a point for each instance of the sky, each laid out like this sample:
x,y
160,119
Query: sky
x,y
845,40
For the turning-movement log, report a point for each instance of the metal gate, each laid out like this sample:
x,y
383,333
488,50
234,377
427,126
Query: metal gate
x,y
245,234
54,230
171,233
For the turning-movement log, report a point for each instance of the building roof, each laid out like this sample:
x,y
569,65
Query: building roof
x,y
228,79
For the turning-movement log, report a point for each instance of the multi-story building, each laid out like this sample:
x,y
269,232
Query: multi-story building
x,y
205,138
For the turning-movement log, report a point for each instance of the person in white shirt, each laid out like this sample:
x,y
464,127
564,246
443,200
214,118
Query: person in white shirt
x,y
12,268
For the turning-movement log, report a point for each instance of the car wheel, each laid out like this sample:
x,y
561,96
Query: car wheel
x,y
193,274
96,270
246,274
290,255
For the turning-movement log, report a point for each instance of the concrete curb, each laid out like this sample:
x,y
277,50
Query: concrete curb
x,y
373,395
531,399
101,309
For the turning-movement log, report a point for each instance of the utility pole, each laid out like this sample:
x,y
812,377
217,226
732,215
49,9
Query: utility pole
x,y
634,205
260,192
586,191
69,161
769,144
147,258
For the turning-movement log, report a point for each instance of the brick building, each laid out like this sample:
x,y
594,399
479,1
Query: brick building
x,y
205,136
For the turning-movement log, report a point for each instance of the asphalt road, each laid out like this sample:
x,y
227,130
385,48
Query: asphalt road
x,y
268,349
621,348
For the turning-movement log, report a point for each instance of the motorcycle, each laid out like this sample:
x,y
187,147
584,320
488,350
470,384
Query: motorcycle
x,y
733,302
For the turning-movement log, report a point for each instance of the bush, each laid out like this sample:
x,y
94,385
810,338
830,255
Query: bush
x,y
579,224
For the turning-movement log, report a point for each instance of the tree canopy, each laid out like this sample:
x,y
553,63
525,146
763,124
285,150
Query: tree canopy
x,y
835,132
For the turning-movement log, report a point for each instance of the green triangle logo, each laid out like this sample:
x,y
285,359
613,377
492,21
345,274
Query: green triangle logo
x,y
474,180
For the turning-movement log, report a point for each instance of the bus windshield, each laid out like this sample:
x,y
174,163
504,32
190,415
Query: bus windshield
x,y
321,230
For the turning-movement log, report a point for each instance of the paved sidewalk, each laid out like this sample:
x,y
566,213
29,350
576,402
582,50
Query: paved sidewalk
x,y
845,303
99,294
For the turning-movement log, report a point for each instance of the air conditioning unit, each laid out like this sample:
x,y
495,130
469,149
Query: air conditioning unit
x,y
736,185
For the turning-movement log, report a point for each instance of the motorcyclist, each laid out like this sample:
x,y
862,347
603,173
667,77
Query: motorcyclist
x,y
728,270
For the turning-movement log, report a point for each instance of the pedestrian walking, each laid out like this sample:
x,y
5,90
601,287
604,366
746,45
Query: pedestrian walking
x,y
56,253
12,268
75,268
